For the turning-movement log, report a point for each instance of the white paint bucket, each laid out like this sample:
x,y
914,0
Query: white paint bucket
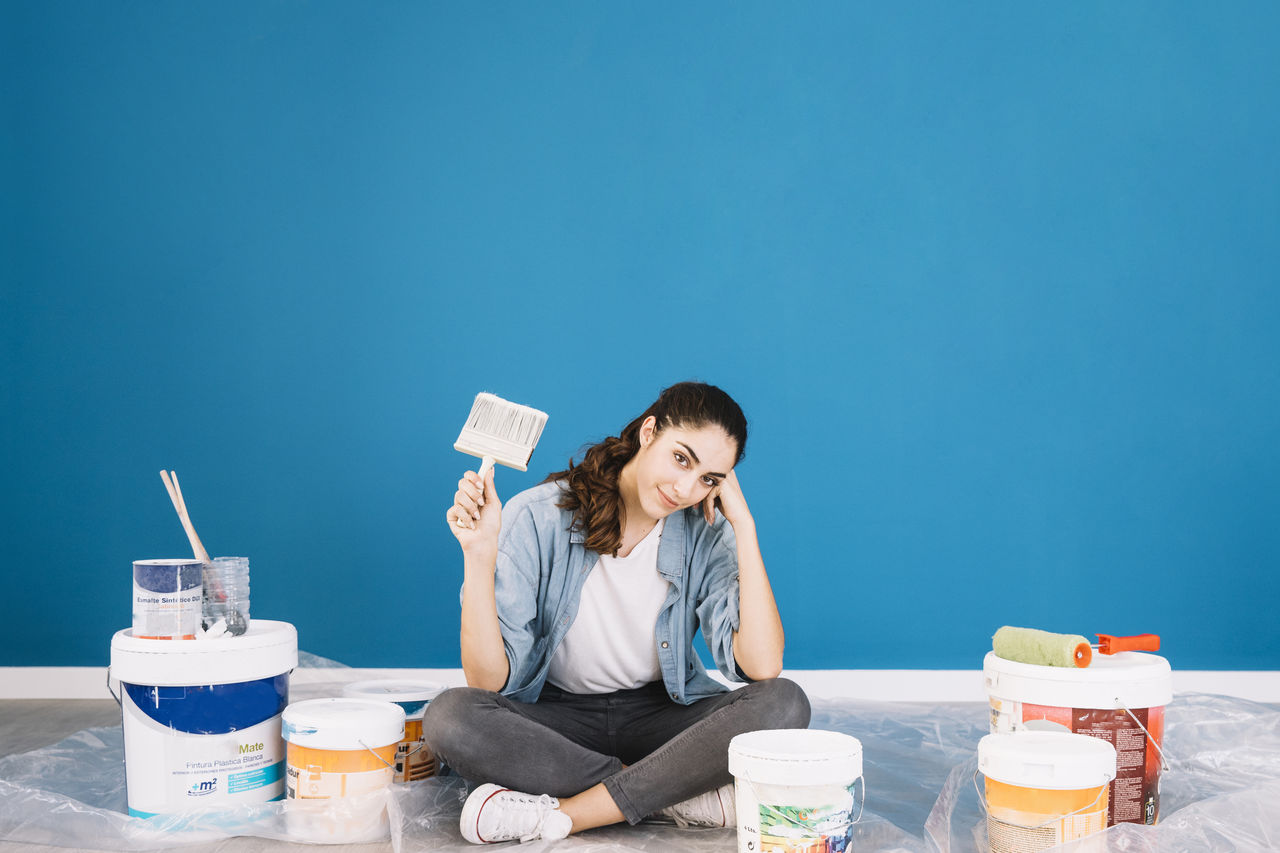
x,y
202,719
794,790
1118,698
413,760
1044,788
339,764
167,596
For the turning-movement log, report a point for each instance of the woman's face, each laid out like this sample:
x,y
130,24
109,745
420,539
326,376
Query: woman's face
x,y
677,467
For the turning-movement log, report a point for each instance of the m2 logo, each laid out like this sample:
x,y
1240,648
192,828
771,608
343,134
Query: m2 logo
x,y
199,789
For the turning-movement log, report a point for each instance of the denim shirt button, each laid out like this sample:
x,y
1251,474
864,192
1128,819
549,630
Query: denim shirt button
x,y
664,644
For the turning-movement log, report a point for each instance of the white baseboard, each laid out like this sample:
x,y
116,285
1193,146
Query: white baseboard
x,y
885,685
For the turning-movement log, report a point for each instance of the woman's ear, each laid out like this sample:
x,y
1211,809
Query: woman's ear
x,y
647,430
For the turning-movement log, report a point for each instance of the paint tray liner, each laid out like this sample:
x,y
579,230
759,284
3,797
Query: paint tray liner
x,y
920,759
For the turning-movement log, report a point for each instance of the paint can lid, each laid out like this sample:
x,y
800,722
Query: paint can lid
x,y
345,723
266,650
802,757
1110,682
413,696
1057,761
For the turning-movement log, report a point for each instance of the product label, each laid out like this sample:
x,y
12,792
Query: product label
x,y
776,820
169,771
166,615
1040,832
1135,792
314,783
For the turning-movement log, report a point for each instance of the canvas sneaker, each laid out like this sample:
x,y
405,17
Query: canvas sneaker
x,y
493,813
714,808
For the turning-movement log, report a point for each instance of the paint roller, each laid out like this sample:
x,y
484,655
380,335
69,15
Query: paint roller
x,y
1030,645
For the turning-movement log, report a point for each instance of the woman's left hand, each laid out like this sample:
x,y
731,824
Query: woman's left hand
x,y
730,500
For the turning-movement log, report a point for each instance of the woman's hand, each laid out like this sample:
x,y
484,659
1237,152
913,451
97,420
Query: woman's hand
x,y
730,500
476,515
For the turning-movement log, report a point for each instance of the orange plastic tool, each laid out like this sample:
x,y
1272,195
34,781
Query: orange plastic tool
x,y
1109,645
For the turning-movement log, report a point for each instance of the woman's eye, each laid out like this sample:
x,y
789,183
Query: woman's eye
x,y
709,481
682,459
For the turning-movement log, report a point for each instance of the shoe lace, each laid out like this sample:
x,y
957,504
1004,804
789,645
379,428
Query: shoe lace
x,y
522,815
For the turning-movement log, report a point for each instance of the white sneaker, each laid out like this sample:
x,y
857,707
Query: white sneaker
x,y
493,813
714,808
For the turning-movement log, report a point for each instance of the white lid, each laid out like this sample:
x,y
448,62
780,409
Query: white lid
x,y
1059,761
266,650
796,757
1110,682
343,723
394,690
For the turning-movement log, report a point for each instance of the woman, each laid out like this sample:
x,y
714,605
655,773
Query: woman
x,y
580,600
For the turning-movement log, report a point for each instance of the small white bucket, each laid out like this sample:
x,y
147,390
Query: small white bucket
x,y
794,790
339,756
414,760
1044,788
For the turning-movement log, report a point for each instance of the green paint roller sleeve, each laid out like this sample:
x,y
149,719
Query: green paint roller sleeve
x,y
1029,645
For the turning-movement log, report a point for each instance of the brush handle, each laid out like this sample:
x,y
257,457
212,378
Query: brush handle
x,y
175,495
486,464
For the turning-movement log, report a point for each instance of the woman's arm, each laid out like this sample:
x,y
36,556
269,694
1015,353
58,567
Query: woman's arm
x,y
475,519
759,640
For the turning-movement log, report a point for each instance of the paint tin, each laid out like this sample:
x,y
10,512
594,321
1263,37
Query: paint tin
x,y
1118,698
339,763
794,789
413,760
1044,788
202,719
167,596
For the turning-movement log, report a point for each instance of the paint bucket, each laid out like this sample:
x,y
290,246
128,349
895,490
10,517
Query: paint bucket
x,y
794,790
202,719
338,766
167,597
1044,788
413,759
1118,698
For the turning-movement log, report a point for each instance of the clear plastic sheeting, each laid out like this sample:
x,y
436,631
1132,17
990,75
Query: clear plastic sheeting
x,y
1221,791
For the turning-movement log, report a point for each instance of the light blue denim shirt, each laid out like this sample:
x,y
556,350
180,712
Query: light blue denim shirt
x,y
543,563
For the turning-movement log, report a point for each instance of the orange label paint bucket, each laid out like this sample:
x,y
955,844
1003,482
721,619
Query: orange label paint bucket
x,y
339,761
1044,788
1118,698
413,759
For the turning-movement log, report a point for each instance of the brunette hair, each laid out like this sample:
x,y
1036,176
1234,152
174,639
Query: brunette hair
x,y
591,487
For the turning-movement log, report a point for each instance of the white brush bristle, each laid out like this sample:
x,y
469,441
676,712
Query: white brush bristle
x,y
504,430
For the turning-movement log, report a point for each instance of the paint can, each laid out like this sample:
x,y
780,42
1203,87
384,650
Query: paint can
x,y
794,790
167,597
1044,788
1118,698
413,759
202,719
339,763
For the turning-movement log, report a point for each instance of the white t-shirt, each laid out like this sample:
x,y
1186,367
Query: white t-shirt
x,y
610,645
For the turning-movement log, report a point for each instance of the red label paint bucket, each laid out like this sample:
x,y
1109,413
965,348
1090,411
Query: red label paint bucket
x,y
1118,698
1044,788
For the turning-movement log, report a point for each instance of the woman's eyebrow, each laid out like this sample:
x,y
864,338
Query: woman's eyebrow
x,y
696,460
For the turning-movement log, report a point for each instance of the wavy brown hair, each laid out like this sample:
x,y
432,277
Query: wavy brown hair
x,y
591,486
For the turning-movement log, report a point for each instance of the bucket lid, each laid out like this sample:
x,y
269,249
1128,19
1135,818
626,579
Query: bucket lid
x,y
343,723
796,757
266,650
1058,761
394,690
1110,682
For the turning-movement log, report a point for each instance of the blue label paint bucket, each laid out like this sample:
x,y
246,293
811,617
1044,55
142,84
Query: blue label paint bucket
x,y
202,718
167,599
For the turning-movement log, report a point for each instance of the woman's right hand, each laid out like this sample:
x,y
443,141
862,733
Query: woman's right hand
x,y
476,515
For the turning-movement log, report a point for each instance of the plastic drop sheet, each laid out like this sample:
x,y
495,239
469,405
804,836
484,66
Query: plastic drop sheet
x,y
1220,793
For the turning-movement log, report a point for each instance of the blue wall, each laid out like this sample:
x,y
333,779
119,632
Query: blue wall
x,y
996,286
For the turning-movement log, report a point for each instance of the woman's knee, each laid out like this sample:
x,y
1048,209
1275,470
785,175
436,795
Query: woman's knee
x,y
451,716
786,703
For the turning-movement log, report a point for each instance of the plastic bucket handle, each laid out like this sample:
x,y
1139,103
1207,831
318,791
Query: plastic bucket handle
x,y
861,805
982,799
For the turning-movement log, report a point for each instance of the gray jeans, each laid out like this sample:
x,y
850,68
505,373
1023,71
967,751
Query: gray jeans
x,y
565,743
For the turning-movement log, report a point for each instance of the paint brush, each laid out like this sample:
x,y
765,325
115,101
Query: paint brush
x,y
499,431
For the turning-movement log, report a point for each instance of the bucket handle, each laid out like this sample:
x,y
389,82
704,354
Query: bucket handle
x,y
375,755
983,799
114,695
861,805
1164,759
